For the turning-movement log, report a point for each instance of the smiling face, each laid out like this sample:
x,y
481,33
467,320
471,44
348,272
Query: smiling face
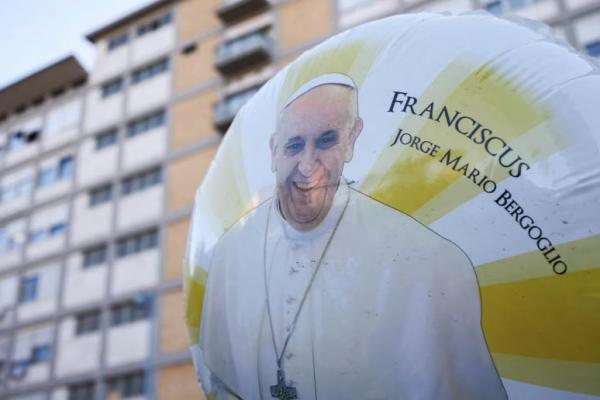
x,y
314,138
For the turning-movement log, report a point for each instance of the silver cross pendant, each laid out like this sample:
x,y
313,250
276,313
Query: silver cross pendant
x,y
281,391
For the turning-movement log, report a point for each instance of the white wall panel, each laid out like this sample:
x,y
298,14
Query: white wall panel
x,y
135,272
128,343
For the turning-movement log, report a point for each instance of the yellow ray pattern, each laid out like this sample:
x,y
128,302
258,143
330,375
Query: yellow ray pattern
x,y
354,58
225,195
550,318
579,254
563,375
193,290
411,181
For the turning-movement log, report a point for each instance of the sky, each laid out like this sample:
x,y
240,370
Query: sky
x,y
37,33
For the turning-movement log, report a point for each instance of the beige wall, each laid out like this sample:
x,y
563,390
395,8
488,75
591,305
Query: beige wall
x,y
185,176
196,67
173,337
178,383
195,17
192,119
296,16
176,239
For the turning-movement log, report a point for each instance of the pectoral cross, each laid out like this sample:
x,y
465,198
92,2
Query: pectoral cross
x,y
281,391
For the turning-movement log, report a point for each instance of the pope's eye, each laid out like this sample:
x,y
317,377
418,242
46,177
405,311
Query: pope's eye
x,y
327,140
294,147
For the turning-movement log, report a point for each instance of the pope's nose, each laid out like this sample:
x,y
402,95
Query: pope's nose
x,y
307,163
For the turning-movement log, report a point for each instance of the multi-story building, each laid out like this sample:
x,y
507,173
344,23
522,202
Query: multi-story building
x,y
98,174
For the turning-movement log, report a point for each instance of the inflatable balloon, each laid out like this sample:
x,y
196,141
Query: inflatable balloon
x,y
408,210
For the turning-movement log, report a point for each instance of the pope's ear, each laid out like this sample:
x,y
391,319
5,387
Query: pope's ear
x,y
273,147
356,130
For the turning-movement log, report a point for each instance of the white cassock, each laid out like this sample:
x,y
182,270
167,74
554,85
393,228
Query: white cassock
x,y
393,312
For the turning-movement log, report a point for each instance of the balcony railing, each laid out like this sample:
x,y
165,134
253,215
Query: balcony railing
x,y
230,10
226,109
243,52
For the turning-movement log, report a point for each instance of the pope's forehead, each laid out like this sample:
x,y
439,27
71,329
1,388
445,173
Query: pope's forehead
x,y
325,105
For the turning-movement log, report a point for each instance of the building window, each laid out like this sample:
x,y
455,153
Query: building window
x,y
154,24
100,195
106,139
36,235
148,72
19,139
231,104
28,288
40,353
50,174
494,7
87,322
46,176
141,181
57,229
118,40
145,124
65,167
112,87
593,49
21,188
95,256
137,243
81,391
134,310
11,241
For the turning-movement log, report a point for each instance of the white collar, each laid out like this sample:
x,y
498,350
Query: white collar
x,y
337,207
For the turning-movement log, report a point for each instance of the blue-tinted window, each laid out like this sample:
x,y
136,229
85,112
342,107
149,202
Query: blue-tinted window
x,y
106,139
81,391
141,181
112,87
117,40
20,138
517,4
137,243
149,71
95,256
136,309
100,195
146,123
57,229
593,49
28,288
46,176
494,7
40,353
87,322
65,167
37,235
154,24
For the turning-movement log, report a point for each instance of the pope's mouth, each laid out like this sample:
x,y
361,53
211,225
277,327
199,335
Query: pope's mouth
x,y
305,186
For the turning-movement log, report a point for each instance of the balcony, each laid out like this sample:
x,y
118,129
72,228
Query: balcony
x,y
230,10
243,52
226,109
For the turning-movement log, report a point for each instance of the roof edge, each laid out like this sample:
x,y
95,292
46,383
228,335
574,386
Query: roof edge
x,y
124,20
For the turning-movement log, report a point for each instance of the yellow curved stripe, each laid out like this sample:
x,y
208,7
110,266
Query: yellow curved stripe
x,y
193,289
554,317
579,254
225,195
563,375
419,184
353,57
